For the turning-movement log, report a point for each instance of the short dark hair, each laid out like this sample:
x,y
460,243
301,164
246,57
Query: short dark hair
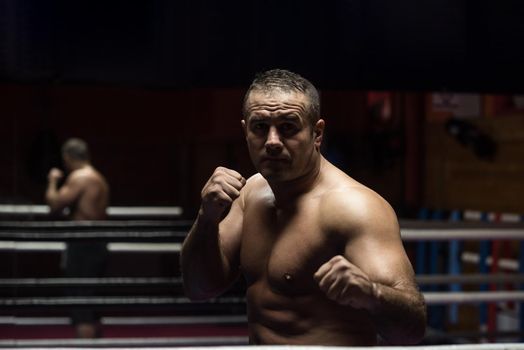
x,y
286,81
76,149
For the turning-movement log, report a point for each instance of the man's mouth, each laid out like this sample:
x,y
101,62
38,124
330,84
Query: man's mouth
x,y
275,159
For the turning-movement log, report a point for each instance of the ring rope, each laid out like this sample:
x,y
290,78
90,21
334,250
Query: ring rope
x,y
470,278
203,341
175,282
129,320
406,234
89,281
114,300
237,343
471,234
432,298
23,209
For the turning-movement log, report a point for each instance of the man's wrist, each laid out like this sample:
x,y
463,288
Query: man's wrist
x,y
376,295
205,219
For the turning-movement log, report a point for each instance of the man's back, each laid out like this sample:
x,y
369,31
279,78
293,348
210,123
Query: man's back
x,y
93,197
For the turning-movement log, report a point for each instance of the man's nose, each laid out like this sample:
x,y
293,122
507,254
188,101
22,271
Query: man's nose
x,y
273,142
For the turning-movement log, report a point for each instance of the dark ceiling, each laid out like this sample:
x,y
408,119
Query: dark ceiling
x,y
452,45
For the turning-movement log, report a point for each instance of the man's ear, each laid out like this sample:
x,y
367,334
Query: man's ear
x,y
244,127
319,132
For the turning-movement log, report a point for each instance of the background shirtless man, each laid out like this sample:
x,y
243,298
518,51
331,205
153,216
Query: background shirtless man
x,y
85,190
86,193
320,252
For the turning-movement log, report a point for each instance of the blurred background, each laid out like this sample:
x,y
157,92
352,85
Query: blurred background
x,y
155,88
423,100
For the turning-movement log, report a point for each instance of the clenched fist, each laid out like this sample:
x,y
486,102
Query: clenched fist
x,y
222,188
54,175
346,284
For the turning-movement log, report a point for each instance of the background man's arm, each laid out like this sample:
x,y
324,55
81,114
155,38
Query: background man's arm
x,y
210,253
375,274
56,198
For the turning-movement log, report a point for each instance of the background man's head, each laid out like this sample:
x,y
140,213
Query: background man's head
x,y
286,81
75,150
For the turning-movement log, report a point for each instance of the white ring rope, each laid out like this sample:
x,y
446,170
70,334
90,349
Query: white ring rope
x,y
23,209
149,281
470,278
412,230
432,298
221,343
135,343
473,234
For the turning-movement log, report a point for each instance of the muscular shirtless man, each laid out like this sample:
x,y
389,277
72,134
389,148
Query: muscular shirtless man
x,y
86,193
320,252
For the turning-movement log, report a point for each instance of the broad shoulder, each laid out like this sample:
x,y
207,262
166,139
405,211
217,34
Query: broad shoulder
x,y
256,180
255,185
84,176
355,209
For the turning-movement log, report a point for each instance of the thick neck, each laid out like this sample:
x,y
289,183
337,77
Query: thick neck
x,y
287,191
79,164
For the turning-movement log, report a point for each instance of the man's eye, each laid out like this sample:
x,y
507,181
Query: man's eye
x,y
258,127
288,127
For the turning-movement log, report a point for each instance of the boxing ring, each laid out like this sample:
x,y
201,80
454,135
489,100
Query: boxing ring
x,y
224,317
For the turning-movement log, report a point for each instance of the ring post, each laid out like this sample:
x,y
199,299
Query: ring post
x,y
437,314
454,267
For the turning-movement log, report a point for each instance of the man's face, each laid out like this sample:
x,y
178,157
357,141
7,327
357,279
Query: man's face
x,y
282,144
67,161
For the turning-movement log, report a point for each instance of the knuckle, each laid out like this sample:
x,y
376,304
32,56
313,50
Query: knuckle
x,y
338,258
218,174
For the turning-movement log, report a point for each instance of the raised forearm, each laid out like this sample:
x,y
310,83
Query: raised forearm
x,y
205,270
51,194
399,314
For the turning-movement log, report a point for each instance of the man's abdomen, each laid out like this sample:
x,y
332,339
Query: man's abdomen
x,y
275,318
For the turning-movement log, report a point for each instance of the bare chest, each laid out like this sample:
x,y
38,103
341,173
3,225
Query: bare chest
x,y
284,248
